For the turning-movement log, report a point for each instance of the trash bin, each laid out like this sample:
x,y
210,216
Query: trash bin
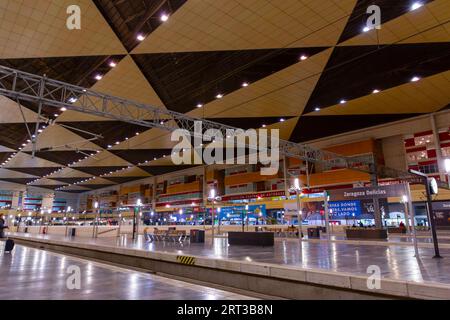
x,y
197,236
25,230
313,233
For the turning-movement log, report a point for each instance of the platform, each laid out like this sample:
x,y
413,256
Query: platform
x,y
329,270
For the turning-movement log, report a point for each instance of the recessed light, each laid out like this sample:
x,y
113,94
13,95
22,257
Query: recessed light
x,y
98,77
137,133
140,37
303,57
264,126
415,79
164,17
416,5
56,114
282,120
245,84
63,109
72,99
375,91
343,101
366,29
112,64
199,105
317,109
219,96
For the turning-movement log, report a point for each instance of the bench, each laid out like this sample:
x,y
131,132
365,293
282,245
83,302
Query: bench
x,y
171,235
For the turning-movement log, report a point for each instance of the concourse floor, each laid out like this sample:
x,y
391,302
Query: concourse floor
x,y
36,274
395,261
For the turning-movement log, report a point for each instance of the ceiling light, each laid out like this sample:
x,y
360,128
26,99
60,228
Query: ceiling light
x,y
219,96
245,84
56,114
72,100
109,146
112,64
303,57
137,133
343,101
199,105
282,120
40,130
63,109
317,109
98,77
366,29
140,37
264,126
416,5
164,17
415,79
375,91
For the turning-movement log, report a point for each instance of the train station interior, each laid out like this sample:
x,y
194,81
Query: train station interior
x,y
224,149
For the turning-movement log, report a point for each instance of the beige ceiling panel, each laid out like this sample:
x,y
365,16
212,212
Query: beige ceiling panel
x,y
210,25
10,112
61,139
419,26
25,160
5,149
428,95
284,93
102,159
69,173
4,173
150,139
129,172
30,28
47,182
96,180
285,128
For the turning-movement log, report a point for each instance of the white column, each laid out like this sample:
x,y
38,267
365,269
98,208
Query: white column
x,y
437,146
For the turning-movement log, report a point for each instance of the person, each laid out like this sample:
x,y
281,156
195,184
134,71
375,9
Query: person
x,y
402,226
2,226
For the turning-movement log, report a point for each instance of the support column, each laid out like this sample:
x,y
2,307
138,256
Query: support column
x,y
376,204
155,181
437,146
205,195
286,186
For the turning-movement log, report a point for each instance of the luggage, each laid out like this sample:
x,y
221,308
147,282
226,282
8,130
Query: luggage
x,y
9,245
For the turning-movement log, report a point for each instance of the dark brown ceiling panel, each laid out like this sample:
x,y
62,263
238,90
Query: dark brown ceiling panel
x,y
98,171
111,131
130,18
183,80
18,180
13,135
5,155
355,71
123,179
390,9
249,123
138,156
62,157
95,186
36,171
74,70
158,170
315,127
69,180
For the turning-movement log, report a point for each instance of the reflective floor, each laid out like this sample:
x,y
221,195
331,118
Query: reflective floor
x,y
395,261
36,274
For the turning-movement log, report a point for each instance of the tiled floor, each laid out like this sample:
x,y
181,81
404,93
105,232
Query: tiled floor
x,y
395,261
36,274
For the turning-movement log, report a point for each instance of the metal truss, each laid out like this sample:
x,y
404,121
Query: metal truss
x,y
19,85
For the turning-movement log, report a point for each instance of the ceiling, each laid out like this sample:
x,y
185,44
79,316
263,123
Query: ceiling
x,y
304,67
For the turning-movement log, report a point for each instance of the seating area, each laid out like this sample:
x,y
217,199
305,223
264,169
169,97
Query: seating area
x,y
169,235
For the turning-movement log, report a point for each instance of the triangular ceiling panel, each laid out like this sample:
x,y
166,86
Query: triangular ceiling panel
x,y
184,80
307,126
158,170
36,171
38,29
212,25
429,23
10,112
374,67
13,135
427,95
25,160
137,156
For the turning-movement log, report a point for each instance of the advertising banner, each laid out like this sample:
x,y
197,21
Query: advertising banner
x,y
236,212
395,190
343,209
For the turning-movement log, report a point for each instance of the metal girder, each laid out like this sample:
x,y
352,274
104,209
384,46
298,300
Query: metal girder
x,y
17,84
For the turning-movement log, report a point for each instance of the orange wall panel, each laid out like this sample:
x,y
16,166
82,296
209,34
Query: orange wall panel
x,y
248,177
351,149
184,187
336,177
